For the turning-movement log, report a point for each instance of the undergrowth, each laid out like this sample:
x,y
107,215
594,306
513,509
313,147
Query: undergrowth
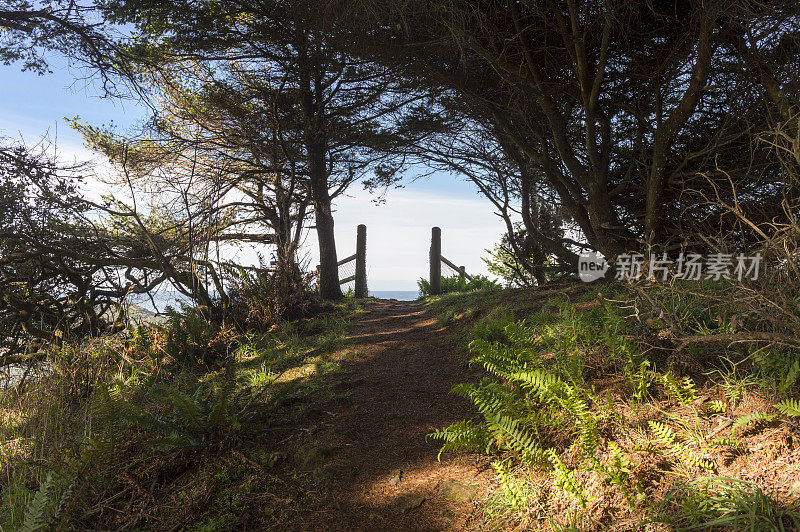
x,y
589,395
156,424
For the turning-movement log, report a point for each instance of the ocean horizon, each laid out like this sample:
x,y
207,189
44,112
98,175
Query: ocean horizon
x,y
401,295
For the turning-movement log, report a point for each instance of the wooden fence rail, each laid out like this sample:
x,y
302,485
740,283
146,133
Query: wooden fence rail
x,y
360,258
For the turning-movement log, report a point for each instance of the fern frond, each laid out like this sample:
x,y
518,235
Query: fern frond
x,y
717,406
664,433
514,494
743,421
36,518
566,479
463,436
682,390
789,407
515,438
726,442
694,458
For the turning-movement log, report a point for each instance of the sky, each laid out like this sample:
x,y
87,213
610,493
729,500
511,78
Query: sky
x,y
398,230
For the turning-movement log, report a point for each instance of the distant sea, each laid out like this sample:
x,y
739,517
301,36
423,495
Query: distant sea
x,y
402,295
160,300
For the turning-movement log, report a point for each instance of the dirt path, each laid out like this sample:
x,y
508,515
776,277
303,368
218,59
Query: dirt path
x,y
380,473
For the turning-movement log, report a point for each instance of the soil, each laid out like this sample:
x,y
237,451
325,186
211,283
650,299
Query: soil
x,y
373,466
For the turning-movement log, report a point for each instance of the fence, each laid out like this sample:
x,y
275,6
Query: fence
x,y
436,261
354,267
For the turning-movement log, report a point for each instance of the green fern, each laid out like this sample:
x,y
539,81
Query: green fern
x,y
617,470
463,436
527,398
196,420
36,514
791,377
679,448
511,492
726,442
514,437
744,421
682,390
717,407
566,479
640,377
694,457
664,433
789,407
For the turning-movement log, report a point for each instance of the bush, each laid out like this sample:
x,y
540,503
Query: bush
x,y
260,298
456,283
195,420
190,338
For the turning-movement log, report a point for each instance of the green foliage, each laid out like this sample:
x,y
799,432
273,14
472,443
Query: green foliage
x,y
534,394
683,445
521,261
190,337
683,390
492,327
726,503
780,369
260,298
37,515
538,405
513,494
564,478
640,376
717,406
463,436
754,417
733,384
457,284
188,384
197,420
721,308
789,407
502,263
618,469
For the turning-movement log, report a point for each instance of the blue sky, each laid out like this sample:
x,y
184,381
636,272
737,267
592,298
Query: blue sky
x,y
398,231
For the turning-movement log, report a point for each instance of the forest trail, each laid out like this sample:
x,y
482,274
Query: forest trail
x,y
380,472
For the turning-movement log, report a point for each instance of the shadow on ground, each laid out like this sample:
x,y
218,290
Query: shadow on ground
x,y
368,463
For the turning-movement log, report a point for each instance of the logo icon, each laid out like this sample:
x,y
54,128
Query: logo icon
x,y
591,266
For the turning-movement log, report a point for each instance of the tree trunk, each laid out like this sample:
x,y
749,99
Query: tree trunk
x,y
328,262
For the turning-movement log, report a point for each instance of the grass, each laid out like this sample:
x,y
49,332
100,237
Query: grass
x,y
583,395
727,503
125,431
593,411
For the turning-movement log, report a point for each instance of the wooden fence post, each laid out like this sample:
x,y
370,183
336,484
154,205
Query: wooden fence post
x,y
436,261
361,261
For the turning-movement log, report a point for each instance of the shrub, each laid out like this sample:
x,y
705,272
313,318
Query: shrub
x,y
261,298
456,283
190,337
197,420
